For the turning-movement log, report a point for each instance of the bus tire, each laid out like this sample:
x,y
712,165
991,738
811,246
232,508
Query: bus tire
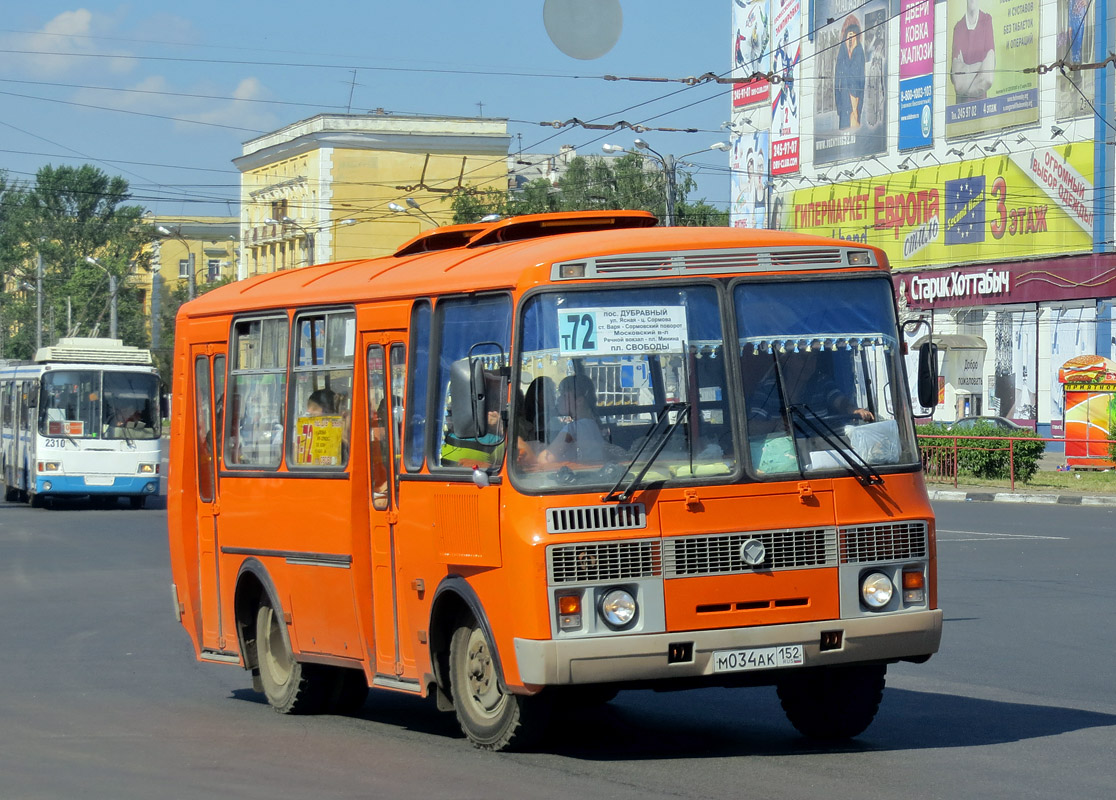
x,y
833,703
35,500
11,494
290,686
491,718
137,500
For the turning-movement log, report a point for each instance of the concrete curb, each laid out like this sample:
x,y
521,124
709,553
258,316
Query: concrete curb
x,y
958,496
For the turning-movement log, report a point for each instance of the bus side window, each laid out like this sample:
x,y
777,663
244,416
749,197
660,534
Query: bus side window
x,y
257,393
322,378
473,335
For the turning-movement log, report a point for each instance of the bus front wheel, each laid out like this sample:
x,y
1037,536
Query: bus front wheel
x,y
290,686
492,718
833,702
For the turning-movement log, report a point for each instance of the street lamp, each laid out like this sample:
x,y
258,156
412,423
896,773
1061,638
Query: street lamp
x,y
190,279
670,169
414,204
307,237
395,208
112,294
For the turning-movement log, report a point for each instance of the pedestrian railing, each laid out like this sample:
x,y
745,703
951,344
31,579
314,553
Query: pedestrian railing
x,y
943,455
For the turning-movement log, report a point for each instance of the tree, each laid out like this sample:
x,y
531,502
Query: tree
x,y
171,297
66,216
593,183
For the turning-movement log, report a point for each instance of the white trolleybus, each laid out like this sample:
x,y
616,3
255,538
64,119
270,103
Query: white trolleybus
x,y
81,420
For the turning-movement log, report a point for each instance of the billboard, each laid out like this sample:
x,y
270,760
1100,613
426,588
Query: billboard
x,y
1029,204
850,104
990,43
787,51
1074,91
916,74
748,162
751,51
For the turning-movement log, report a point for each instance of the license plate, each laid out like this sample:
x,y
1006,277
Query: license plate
x,y
99,480
788,655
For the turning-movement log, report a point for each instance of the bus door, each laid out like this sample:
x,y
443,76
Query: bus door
x,y
27,423
209,394
387,369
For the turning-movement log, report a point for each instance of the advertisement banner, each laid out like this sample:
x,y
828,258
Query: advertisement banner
x,y
990,43
988,209
850,111
1073,332
785,33
751,51
1074,91
748,161
916,74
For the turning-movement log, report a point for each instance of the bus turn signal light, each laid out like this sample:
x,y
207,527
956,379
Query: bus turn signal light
x,y
569,612
914,588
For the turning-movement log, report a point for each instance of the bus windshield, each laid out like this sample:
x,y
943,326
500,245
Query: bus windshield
x,y
92,404
618,381
823,383
615,381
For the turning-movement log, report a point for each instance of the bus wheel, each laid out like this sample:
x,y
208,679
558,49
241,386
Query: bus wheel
x,y
35,500
491,718
833,702
11,493
137,500
291,687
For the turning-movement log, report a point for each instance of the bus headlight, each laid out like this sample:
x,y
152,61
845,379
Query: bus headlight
x,y
876,589
148,469
618,608
50,466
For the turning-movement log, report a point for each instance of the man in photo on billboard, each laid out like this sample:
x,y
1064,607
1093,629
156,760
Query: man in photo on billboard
x,y
973,55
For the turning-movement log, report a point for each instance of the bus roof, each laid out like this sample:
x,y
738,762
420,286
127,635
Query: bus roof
x,y
518,252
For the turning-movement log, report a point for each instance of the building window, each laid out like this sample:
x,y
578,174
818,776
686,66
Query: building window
x,y
184,268
213,267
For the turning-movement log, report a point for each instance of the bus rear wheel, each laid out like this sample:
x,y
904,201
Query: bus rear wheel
x,y
833,703
491,718
291,687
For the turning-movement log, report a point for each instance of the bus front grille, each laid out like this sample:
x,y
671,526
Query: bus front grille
x,y
728,553
579,519
893,541
591,562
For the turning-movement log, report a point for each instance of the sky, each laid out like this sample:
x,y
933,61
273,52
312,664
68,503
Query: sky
x,y
165,94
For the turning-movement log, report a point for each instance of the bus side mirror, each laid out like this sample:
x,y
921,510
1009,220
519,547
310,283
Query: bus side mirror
x,y
928,375
467,393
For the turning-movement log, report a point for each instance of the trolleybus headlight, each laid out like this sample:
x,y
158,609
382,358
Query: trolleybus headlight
x,y
876,589
50,466
618,608
148,469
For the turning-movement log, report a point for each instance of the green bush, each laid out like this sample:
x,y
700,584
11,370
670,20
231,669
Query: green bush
x,y
982,458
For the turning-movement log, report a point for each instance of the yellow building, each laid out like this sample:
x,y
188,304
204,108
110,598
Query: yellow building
x,y
342,186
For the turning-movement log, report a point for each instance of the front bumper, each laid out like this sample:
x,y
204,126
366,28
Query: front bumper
x,y
882,637
80,485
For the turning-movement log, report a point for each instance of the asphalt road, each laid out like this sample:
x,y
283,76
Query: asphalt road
x,y
100,696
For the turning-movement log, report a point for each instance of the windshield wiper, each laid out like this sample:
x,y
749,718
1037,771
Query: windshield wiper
x,y
660,433
805,416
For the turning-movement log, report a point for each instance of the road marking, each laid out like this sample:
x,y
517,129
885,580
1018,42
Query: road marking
x,y
986,536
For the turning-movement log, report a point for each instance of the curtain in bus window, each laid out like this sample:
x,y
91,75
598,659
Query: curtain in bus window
x,y
257,393
323,390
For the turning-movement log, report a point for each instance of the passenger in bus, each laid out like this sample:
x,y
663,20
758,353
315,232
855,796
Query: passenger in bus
x,y
580,438
321,402
540,422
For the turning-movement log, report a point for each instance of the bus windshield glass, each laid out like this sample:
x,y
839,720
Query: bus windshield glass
x,y
618,382
822,377
91,404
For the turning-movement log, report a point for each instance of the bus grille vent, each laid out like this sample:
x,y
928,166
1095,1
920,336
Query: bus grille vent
x,y
896,541
593,562
579,519
722,554
701,262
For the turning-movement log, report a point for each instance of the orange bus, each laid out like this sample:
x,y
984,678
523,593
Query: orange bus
x,y
526,464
